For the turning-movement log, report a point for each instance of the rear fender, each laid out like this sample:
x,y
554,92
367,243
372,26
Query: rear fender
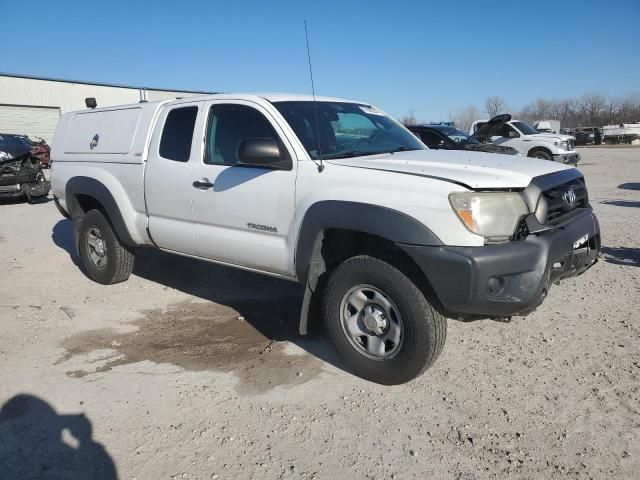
x,y
97,190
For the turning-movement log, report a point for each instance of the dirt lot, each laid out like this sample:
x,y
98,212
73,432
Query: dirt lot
x,y
159,378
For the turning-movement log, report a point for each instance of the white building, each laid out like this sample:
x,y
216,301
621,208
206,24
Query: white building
x,y
32,105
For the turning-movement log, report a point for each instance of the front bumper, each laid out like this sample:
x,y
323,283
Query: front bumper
x,y
511,278
572,157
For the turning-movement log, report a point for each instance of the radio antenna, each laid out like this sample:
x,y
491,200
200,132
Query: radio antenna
x,y
315,103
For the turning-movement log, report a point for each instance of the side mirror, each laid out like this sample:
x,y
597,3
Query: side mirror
x,y
90,102
262,152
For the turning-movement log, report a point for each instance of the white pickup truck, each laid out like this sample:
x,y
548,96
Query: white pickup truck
x,y
526,139
389,238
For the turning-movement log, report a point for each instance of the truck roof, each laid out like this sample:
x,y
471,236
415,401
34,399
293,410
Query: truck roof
x,y
271,97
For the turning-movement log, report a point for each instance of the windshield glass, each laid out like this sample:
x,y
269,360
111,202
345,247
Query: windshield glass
x,y
345,129
456,135
524,128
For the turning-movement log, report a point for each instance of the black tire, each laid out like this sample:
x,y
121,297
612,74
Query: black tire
x,y
541,154
118,258
424,328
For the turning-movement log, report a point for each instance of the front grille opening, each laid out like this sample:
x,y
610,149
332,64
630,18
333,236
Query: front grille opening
x,y
557,207
522,230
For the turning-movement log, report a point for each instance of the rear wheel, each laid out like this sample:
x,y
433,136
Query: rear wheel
x,y
105,258
542,155
381,324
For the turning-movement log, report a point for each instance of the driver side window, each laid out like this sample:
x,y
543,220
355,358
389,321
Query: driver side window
x,y
228,126
507,131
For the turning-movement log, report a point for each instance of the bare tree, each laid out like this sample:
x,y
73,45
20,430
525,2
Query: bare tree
x,y
465,117
409,119
592,106
494,106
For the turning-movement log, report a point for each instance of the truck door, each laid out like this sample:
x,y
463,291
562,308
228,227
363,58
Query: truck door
x,y
243,214
509,137
167,178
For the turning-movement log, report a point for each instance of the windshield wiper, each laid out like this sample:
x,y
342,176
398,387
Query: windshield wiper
x,y
401,149
348,154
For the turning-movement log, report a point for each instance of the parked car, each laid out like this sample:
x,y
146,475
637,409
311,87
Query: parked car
x,y
446,137
388,237
20,171
527,140
588,136
39,147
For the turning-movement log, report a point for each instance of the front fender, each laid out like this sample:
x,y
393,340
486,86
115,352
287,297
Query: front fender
x,y
376,220
383,222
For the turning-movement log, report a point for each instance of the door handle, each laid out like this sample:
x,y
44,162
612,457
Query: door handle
x,y
203,184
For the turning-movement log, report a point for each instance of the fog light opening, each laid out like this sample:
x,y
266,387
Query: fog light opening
x,y
495,285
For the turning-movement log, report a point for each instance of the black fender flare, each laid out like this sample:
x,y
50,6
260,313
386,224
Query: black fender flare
x,y
376,220
96,189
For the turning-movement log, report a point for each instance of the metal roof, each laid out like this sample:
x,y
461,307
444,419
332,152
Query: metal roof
x,y
100,84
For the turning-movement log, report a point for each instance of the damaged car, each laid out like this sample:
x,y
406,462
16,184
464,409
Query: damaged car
x,y
20,172
447,137
39,147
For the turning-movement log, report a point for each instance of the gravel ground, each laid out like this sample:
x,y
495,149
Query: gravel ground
x,y
191,370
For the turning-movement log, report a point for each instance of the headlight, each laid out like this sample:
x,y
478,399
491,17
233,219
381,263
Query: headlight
x,y
5,156
493,215
562,145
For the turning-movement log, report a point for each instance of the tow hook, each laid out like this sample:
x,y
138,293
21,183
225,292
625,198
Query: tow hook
x,y
502,319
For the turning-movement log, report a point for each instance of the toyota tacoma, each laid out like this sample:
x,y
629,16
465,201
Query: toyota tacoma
x,y
388,237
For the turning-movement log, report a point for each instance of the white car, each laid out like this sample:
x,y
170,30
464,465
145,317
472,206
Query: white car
x,y
527,140
388,237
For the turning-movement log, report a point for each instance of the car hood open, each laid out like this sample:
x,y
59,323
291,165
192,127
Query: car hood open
x,y
472,170
489,129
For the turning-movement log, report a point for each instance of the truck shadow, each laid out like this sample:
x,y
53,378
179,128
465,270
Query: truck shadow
x,y
622,256
271,306
622,203
630,186
37,442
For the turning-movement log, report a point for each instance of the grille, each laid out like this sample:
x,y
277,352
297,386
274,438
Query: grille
x,y
570,144
522,230
557,208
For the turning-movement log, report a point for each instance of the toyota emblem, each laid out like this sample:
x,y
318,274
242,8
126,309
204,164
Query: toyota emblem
x,y
569,198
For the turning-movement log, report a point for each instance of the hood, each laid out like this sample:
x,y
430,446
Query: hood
x,y
552,137
14,149
489,129
472,170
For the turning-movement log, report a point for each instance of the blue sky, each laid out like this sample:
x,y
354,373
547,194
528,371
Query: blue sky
x,y
429,57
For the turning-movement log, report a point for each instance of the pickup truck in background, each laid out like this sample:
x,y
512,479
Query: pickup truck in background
x,y
527,140
388,237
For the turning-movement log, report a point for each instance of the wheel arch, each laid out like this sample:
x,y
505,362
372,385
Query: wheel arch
x,y
85,193
333,230
539,148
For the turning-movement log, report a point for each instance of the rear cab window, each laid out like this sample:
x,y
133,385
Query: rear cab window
x,y
177,133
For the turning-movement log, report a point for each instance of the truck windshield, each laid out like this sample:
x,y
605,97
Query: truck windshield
x,y
525,128
345,129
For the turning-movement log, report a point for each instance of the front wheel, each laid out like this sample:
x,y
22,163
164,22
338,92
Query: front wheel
x,y
382,325
105,258
541,155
